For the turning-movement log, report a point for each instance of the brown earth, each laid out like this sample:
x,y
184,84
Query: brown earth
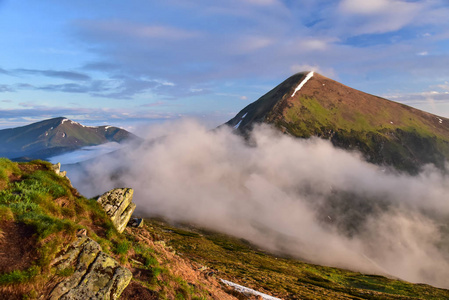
x,y
17,246
135,291
183,267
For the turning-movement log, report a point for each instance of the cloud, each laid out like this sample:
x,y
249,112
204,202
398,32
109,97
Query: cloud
x,y
31,112
123,51
101,66
117,88
127,30
304,67
432,98
379,16
372,7
383,16
6,88
293,196
423,53
314,44
69,75
444,86
262,2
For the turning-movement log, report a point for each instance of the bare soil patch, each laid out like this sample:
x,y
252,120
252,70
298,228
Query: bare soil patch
x,y
17,246
136,291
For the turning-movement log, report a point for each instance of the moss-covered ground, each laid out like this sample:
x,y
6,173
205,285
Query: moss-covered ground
x,y
238,261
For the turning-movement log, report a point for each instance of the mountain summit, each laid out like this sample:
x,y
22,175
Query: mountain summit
x,y
385,132
55,136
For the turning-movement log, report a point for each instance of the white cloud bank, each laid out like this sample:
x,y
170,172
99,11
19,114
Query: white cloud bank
x,y
301,197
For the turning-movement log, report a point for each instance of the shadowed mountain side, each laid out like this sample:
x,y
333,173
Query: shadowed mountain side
x,y
385,132
56,136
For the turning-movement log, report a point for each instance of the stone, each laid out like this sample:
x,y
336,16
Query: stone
x,y
136,222
117,204
56,168
81,232
97,275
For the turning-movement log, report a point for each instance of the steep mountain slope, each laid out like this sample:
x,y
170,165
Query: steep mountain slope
x,y
309,104
55,136
41,214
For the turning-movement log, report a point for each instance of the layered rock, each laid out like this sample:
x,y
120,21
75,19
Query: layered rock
x,y
96,274
118,205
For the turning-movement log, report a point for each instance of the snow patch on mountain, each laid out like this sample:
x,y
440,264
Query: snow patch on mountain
x,y
244,290
303,83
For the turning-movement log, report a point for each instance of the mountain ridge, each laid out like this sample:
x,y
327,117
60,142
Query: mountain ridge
x,y
384,131
54,136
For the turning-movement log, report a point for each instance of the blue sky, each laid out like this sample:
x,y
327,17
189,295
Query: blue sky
x,y
122,62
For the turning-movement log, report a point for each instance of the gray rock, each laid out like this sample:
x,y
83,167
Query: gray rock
x,y
96,276
118,205
136,222
57,169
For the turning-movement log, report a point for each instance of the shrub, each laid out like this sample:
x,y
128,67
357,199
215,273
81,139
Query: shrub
x,y
46,225
18,276
122,247
6,213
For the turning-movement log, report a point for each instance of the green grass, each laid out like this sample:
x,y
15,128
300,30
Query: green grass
x,y
30,200
18,276
122,247
235,259
408,143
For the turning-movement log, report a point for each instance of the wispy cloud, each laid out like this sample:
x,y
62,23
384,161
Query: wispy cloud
x,y
6,88
128,30
130,53
69,75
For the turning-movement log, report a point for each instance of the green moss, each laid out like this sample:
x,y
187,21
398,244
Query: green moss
x,y
122,247
66,272
7,168
46,225
6,214
18,276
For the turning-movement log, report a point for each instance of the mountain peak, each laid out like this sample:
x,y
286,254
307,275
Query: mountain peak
x,y
386,132
56,136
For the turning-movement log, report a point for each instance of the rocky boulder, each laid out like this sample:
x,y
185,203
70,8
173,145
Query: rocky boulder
x,y
118,205
96,274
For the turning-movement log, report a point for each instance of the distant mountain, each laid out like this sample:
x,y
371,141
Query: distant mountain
x,y
385,132
55,136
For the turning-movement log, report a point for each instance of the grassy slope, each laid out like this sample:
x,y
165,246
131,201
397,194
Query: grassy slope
x,y
33,196
236,260
167,262
386,132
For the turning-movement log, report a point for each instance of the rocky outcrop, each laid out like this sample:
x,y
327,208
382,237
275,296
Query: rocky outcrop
x,y
118,205
57,169
96,274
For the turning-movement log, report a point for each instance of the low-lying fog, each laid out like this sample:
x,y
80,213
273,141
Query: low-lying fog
x,y
85,153
300,197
